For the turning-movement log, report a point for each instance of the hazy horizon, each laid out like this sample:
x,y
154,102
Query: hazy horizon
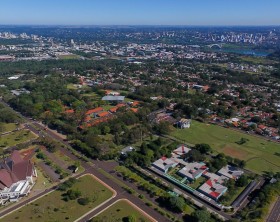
x,y
140,13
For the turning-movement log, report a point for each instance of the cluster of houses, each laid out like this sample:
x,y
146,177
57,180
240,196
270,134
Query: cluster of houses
x,y
99,114
164,115
16,177
248,125
191,171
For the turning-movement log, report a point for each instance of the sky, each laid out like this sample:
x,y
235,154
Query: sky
x,y
140,12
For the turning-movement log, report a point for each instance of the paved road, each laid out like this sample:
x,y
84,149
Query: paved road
x,y
274,216
121,193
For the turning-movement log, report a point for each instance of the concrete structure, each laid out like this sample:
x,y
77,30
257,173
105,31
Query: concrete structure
x,y
181,150
126,150
184,123
193,170
113,98
163,164
212,189
230,172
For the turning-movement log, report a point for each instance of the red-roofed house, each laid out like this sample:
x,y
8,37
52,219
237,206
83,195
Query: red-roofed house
x,y
102,114
212,189
120,105
69,111
113,109
94,111
135,110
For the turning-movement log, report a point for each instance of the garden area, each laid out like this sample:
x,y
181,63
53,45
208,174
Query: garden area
x,y
122,210
15,138
7,127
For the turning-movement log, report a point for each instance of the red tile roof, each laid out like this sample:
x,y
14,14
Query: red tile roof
x,y
69,111
102,114
96,110
134,110
120,105
214,194
113,109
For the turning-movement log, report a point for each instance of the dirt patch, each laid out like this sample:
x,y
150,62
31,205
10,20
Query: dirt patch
x,y
28,154
236,153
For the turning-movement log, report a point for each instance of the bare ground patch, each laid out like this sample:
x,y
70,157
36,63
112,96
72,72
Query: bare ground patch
x,y
236,153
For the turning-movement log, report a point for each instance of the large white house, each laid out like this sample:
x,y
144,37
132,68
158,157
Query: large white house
x,y
16,177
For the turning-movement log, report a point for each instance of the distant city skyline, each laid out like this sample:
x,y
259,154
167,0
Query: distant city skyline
x,y
140,12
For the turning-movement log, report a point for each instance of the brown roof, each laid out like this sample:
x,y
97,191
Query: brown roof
x,y
15,157
5,178
14,169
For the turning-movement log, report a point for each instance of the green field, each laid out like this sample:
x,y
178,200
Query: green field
x,y
7,127
71,56
257,60
15,138
260,155
53,208
120,210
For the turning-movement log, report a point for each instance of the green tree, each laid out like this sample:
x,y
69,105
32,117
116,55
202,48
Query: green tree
x,y
242,181
203,148
202,216
177,203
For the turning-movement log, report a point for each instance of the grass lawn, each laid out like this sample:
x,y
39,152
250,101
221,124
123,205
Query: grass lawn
x,y
7,127
67,160
15,138
42,181
92,94
71,56
173,173
118,211
52,208
189,210
258,153
233,196
257,60
197,183
107,107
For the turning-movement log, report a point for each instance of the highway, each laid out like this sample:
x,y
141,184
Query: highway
x,y
121,193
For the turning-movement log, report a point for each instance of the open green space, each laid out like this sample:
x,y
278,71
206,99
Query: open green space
x,y
52,207
119,211
76,86
107,107
7,127
71,56
257,60
260,154
15,138
68,161
229,198
92,94
42,181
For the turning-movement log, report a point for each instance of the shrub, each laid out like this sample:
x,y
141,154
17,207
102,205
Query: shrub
x,y
84,201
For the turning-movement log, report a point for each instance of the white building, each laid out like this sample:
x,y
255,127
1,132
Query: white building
x,y
184,123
